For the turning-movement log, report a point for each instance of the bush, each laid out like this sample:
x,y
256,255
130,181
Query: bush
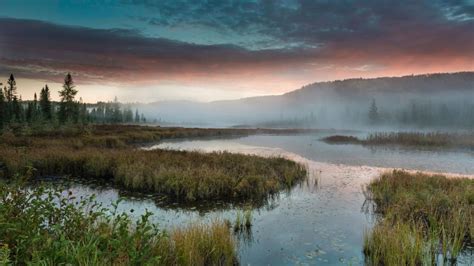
x,y
43,226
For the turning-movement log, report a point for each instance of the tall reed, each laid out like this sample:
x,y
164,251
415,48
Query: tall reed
x,y
422,217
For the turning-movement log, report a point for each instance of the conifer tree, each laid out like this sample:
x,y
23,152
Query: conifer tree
x,y
137,116
373,112
45,103
67,107
3,120
10,90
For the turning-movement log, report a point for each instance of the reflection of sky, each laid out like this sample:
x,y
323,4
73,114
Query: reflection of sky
x,y
321,221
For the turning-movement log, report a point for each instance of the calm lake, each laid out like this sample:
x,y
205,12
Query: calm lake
x,y
321,221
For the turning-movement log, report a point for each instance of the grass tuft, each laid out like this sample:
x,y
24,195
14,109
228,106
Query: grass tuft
x,y
423,218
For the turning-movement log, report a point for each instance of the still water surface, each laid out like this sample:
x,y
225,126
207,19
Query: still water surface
x,y
321,221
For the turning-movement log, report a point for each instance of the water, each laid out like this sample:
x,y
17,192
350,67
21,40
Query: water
x,y
319,221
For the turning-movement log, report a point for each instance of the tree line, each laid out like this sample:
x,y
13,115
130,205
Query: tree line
x,y
13,110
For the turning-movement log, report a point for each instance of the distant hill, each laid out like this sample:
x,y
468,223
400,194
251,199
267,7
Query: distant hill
x,y
334,103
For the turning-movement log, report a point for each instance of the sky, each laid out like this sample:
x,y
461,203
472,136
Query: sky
x,y
146,51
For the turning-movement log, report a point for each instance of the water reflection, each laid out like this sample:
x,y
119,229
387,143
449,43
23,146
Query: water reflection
x,y
320,220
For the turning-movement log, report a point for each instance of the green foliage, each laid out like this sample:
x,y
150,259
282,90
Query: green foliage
x,y
422,217
15,113
45,103
43,226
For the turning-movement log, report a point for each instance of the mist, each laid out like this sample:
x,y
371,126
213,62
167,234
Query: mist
x,y
432,101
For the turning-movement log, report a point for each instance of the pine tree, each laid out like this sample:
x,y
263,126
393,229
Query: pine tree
x,y
35,108
10,90
373,112
137,116
128,115
3,120
45,103
7,107
83,116
116,112
17,109
68,108
29,112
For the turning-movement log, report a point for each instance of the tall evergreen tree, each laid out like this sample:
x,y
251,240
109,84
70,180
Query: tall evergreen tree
x,y
373,112
68,108
45,103
83,116
17,110
137,116
10,91
116,112
3,120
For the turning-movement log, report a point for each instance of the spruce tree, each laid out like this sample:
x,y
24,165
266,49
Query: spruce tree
x,y
373,112
17,109
117,116
45,103
3,120
68,108
137,116
10,89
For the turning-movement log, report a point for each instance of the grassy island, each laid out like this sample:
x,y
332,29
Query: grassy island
x,y
409,139
110,153
423,219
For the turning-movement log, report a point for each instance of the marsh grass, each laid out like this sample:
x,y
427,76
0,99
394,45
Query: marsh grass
x,y
243,220
411,139
181,175
341,139
42,226
423,219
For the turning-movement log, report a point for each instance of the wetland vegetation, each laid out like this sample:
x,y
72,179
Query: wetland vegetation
x,y
423,219
410,139
107,153
43,226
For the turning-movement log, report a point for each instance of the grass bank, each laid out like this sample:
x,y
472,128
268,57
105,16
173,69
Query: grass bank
x,y
106,153
423,219
44,227
413,139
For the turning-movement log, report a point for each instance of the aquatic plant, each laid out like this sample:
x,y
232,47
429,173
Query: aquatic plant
x,y
187,176
415,139
243,220
421,218
341,139
45,226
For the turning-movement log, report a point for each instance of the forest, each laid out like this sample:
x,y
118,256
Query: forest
x,y
42,111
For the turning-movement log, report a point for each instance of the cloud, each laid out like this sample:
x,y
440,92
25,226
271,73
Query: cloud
x,y
40,48
286,42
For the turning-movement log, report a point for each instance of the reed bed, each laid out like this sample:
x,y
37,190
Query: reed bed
x,y
424,219
43,226
413,139
187,176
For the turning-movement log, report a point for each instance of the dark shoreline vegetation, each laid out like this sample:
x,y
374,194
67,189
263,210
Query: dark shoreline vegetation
x,y
423,219
411,139
110,153
44,226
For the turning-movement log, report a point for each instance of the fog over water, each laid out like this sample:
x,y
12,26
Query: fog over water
x,y
435,101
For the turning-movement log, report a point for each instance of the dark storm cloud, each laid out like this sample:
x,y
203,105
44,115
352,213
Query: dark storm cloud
x,y
38,49
278,34
309,23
